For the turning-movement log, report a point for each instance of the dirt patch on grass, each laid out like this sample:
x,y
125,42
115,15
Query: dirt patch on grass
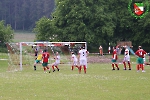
x,y
101,59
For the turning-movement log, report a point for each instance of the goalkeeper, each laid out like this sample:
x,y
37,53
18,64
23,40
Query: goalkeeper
x,y
38,60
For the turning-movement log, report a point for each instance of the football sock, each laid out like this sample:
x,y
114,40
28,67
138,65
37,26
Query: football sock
x,y
53,67
129,65
124,65
57,67
138,67
79,69
72,67
117,66
76,66
84,69
44,69
113,66
142,66
48,68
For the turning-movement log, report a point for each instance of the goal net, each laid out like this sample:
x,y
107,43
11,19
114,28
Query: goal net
x,y
22,54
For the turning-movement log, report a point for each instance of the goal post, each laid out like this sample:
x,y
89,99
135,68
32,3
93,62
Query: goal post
x,y
48,44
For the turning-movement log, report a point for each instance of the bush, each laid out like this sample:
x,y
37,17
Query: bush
x,y
3,48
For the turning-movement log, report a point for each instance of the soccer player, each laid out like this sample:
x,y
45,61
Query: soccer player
x,y
114,59
146,63
109,49
36,52
74,61
140,54
126,58
57,62
45,57
38,60
149,56
83,59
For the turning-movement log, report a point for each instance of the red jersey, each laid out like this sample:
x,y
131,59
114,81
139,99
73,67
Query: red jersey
x,y
115,54
45,57
140,53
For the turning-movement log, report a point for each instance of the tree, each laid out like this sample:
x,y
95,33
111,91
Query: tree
x,y
98,22
142,31
6,33
84,20
22,14
129,28
45,30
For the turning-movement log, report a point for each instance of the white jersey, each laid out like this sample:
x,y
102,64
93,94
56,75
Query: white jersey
x,y
83,57
74,58
57,59
126,56
109,48
126,53
83,54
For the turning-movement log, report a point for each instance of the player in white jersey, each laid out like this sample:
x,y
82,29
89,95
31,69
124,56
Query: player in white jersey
x,y
74,61
126,58
83,59
57,62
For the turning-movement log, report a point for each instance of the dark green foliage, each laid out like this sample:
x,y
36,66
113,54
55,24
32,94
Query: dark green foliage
x,y
6,33
22,14
45,30
98,22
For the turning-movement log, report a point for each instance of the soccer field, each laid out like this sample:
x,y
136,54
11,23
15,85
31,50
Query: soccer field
x,y
100,83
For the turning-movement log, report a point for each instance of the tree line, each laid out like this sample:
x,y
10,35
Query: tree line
x,y
22,14
98,22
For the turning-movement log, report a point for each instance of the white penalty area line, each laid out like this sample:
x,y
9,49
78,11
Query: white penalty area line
x,y
3,59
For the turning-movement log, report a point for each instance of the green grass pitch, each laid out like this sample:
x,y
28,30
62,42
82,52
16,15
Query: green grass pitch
x,y
100,83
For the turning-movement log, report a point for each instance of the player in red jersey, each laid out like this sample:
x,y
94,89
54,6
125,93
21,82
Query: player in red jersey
x,y
140,54
114,59
45,57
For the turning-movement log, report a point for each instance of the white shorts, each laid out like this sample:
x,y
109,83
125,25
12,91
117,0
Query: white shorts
x,y
126,59
83,62
75,63
56,63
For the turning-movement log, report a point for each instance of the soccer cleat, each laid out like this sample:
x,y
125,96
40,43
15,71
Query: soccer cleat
x,y
58,69
124,69
34,67
49,71
113,69
117,68
54,70
129,68
143,71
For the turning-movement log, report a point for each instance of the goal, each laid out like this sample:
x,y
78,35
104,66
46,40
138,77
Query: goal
x,y
23,53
